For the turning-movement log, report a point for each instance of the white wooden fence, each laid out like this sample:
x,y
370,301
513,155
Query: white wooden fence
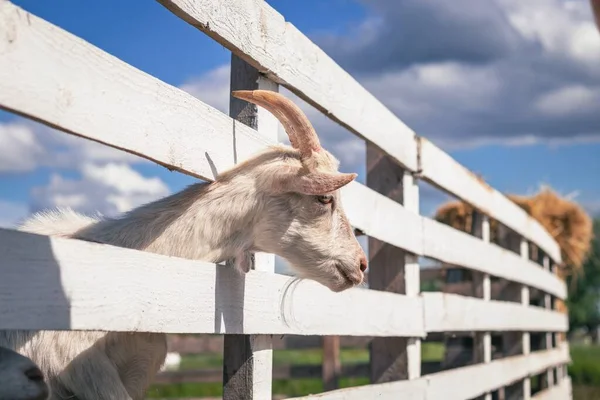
x,y
54,77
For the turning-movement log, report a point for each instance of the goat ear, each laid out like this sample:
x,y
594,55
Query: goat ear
x,y
316,183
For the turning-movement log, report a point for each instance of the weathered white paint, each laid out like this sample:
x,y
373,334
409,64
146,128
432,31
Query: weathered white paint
x,y
57,78
256,32
456,384
455,313
262,345
561,391
259,34
549,335
61,80
475,380
487,296
382,218
262,366
412,272
446,244
116,289
442,170
404,390
525,339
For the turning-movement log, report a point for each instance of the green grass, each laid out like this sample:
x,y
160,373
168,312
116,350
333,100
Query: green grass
x,y
429,352
432,352
585,372
290,387
585,369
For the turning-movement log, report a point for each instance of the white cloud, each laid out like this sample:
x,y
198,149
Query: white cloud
x,y
511,72
563,28
27,145
211,88
109,189
568,100
20,148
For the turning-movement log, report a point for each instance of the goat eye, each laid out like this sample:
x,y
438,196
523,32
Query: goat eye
x,y
325,199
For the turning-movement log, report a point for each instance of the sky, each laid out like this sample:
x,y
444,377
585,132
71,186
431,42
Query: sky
x,y
510,88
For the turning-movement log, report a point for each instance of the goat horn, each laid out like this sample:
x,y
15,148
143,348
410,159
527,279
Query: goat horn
x,y
299,129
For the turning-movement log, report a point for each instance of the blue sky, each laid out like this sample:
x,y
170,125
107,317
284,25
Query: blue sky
x,y
510,89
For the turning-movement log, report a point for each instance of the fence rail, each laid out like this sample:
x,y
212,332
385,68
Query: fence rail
x,y
84,91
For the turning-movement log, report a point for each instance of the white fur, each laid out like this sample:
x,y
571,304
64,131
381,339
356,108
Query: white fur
x,y
20,378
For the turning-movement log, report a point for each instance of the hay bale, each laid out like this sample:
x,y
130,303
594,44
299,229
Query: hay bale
x,y
565,220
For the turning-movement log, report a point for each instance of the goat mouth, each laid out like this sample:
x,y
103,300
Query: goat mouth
x,y
345,276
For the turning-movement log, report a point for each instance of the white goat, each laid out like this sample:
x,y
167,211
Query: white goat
x,y
20,378
283,201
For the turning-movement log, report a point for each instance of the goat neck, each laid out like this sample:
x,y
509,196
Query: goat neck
x,y
210,222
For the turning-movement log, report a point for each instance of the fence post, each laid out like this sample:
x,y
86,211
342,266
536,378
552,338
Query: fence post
x,y
412,272
248,359
549,342
390,356
331,362
526,342
482,346
512,342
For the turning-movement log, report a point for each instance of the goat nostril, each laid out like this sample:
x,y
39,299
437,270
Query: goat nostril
x,y
363,263
34,374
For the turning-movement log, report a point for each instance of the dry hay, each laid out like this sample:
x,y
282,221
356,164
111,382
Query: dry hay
x,y
565,220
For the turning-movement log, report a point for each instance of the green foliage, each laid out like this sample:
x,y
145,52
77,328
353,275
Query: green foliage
x,y
585,369
431,286
584,289
432,352
289,387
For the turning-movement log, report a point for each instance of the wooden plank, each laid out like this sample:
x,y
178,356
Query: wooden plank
x,y
445,312
278,49
382,218
388,355
256,32
443,171
456,384
482,350
248,359
412,273
526,337
548,379
468,382
116,104
117,289
405,390
332,366
449,245
54,77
